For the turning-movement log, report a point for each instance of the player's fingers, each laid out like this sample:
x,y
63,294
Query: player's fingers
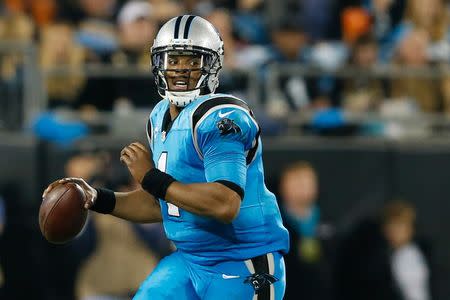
x,y
140,146
67,179
125,159
137,149
89,196
78,181
89,201
125,149
124,154
49,188
87,204
129,151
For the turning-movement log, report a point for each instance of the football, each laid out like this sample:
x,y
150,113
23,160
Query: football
x,y
62,215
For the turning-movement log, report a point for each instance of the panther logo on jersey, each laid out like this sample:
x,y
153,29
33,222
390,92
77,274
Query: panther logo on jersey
x,y
227,126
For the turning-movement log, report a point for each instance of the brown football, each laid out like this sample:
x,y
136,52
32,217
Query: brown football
x,y
62,215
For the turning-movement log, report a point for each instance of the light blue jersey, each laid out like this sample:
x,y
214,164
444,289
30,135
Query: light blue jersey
x,y
216,138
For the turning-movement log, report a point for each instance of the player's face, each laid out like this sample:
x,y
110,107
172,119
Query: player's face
x,y
183,72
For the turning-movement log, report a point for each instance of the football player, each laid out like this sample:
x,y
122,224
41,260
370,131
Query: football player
x,y
202,177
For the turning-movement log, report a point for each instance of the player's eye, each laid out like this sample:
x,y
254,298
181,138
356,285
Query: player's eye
x,y
195,63
173,62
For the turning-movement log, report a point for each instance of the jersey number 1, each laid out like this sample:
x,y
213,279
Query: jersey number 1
x,y
172,210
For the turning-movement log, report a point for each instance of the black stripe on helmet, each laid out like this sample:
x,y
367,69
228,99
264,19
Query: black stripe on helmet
x,y
177,27
187,26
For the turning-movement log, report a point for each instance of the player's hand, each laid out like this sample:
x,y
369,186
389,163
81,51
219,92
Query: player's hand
x,y
138,160
90,194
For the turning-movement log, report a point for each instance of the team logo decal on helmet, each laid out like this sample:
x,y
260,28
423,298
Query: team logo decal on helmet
x,y
187,36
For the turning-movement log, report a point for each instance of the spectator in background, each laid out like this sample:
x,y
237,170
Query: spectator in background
x,y
381,258
289,44
431,15
236,58
166,9
318,17
355,22
308,262
58,49
97,9
137,29
241,54
249,19
384,17
43,12
409,265
221,19
14,28
96,277
97,31
70,256
289,40
427,93
379,18
363,93
17,28
22,259
296,93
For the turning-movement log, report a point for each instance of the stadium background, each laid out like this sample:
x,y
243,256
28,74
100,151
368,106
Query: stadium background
x,y
359,89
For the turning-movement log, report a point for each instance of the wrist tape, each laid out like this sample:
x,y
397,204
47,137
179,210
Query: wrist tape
x,y
157,182
105,202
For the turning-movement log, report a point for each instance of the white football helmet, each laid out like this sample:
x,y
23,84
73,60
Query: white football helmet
x,y
188,35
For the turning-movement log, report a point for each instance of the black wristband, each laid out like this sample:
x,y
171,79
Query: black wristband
x,y
105,202
157,182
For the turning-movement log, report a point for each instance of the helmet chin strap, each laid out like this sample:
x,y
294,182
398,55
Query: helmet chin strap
x,y
181,98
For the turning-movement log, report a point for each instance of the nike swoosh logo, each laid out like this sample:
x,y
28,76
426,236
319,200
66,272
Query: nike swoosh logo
x,y
225,276
223,115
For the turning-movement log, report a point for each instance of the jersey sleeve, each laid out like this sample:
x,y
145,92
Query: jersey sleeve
x,y
224,138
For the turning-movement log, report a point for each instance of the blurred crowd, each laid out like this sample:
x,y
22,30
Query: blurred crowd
x,y
389,57
366,36
377,256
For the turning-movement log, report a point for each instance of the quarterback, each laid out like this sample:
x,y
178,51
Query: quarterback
x,y
201,176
